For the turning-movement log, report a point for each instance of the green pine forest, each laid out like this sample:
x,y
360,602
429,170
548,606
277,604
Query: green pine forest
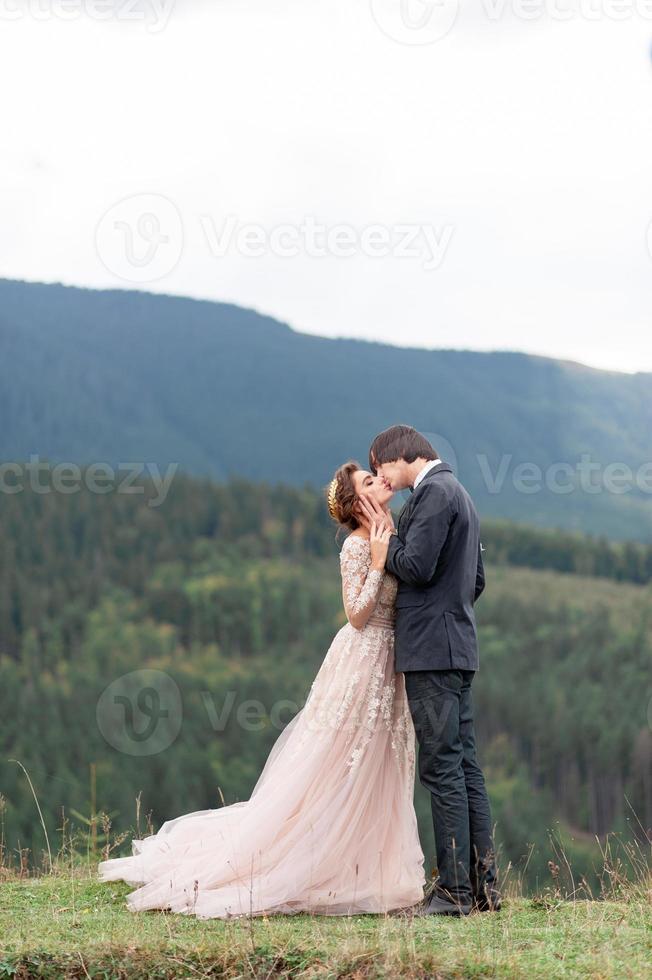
x,y
231,591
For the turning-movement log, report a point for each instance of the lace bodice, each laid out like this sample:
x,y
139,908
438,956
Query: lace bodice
x,y
368,595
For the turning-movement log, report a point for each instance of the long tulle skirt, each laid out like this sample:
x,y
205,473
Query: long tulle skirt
x,y
330,827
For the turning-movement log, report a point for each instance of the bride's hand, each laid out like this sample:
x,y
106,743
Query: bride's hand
x,y
373,512
379,543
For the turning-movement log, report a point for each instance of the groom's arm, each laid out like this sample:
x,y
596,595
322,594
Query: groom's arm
x,y
414,560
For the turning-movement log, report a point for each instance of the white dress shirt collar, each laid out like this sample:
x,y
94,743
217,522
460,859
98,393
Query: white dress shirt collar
x,y
426,469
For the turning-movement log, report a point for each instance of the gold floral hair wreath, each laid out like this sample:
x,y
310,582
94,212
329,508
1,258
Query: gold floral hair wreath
x,y
332,500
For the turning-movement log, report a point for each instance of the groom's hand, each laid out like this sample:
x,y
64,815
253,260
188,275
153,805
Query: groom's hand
x,y
374,513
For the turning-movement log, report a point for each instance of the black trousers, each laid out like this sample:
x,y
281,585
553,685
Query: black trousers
x,y
442,712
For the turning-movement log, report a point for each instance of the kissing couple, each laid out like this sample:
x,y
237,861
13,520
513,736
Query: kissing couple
x,y
330,826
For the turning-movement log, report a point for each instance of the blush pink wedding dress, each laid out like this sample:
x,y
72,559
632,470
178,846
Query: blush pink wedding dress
x,y
330,826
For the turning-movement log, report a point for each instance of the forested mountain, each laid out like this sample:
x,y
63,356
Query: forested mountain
x,y
126,376
228,596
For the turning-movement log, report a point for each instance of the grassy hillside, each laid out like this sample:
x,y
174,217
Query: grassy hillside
x,y
122,376
61,926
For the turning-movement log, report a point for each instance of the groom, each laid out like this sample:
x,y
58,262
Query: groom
x,y
435,554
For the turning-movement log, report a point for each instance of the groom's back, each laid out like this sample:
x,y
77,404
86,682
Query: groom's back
x,y
435,621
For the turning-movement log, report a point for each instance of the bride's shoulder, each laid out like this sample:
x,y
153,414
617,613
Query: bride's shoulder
x,y
355,542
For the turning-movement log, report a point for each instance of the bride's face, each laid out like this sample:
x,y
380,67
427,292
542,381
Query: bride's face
x,y
372,486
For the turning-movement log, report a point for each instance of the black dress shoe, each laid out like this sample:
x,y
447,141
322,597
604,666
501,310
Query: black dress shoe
x,y
439,904
488,901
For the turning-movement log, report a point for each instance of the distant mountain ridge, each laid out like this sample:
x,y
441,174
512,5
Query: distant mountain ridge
x,y
115,376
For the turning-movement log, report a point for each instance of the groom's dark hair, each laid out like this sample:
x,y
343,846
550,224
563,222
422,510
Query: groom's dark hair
x,y
399,442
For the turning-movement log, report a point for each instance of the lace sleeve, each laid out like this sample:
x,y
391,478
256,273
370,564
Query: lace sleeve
x,y
360,584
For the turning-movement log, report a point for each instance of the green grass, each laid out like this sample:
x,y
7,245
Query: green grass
x,y
76,926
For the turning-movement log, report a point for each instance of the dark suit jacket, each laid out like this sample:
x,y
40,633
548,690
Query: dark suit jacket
x,y
437,559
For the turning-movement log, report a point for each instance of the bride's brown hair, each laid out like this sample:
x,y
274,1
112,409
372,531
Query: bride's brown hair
x,y
341,496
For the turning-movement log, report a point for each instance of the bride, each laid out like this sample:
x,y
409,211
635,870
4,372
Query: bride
x,y
330,827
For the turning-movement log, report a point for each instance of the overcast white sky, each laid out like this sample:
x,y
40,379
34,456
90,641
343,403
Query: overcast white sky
x,y
452,175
